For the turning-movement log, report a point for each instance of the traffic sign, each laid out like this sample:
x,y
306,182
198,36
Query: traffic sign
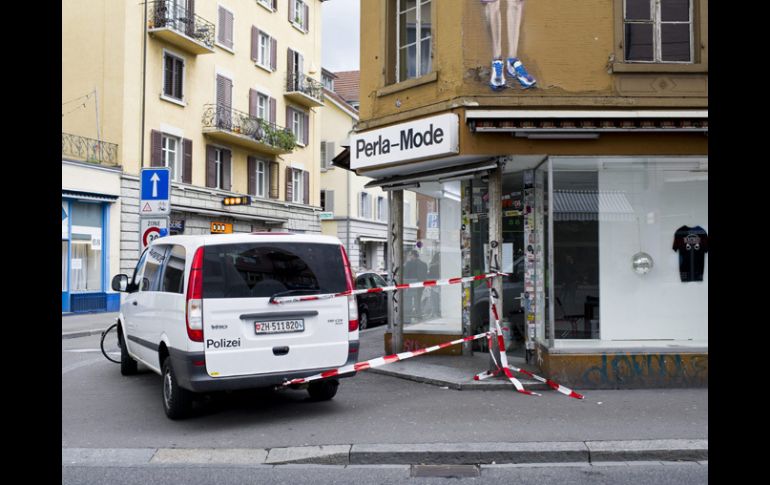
x,y
151,228
155,190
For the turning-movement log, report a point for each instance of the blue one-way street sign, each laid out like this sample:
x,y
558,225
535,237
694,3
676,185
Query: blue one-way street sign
x,y
155,190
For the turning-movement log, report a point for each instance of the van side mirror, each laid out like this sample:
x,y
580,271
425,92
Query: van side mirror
x,y
120,282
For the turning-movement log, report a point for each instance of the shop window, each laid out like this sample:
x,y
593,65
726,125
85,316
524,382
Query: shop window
x,y
64,265
86,239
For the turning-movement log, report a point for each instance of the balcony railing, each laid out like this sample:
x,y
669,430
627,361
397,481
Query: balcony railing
x,y
168,14
89,150
308,87
247,127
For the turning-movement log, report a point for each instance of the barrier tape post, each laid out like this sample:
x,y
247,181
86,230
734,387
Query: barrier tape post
x,y
502,367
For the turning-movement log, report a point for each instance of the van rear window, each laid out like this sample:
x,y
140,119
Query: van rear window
x,y
262,270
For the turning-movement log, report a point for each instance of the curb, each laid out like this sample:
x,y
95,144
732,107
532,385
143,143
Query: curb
x,y
567,452
84,333
489,385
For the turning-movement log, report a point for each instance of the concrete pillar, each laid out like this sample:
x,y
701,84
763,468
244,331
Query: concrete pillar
x,y
396,268
495,250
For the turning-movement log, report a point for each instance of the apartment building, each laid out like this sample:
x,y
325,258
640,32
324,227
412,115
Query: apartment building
x,y
226,94
353,212
568,149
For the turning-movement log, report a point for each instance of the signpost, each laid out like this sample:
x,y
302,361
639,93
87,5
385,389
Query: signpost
x,y
154,204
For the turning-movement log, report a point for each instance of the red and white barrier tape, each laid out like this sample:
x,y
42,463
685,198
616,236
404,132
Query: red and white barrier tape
x,y
502,366
422,284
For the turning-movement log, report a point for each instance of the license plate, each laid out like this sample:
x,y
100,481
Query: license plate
x,y
279,326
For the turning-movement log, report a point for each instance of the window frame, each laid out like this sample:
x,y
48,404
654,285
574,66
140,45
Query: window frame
x,y
177,170
263,60
297,127
417,43
364,203
219,164
299,12
265,178
297,187
170,97
699,44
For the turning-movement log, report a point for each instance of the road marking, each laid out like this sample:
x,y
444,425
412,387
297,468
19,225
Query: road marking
x,y
78,365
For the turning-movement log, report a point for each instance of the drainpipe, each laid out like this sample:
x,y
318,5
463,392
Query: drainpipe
x,y
144,82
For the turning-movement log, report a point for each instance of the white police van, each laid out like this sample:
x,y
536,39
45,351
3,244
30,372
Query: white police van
x,y
198,312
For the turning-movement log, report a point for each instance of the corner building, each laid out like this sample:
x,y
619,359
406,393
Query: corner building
x,y
577,163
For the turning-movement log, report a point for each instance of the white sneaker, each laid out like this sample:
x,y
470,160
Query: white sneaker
x,y
497,81
517,70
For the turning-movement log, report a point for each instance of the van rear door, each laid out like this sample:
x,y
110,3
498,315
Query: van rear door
x,y
244,334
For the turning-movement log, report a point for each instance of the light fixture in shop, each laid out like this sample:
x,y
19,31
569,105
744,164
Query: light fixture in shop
x,y
221,228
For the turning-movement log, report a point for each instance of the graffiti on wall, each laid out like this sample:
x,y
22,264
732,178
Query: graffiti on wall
x,y
505,44
662,369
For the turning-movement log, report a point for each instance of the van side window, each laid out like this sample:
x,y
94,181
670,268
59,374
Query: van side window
x,y
173,273
150,278
138,271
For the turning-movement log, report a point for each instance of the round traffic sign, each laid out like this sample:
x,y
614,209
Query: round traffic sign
x,y
150,235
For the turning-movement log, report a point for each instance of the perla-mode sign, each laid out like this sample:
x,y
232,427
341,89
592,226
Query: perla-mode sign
x,y
432,137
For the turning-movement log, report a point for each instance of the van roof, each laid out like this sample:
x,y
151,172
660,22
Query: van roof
x,y
274,237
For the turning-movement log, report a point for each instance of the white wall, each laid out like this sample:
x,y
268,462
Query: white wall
x,y
657,305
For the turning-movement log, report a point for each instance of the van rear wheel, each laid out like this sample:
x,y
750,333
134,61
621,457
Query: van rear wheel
x,y
177,402
323,390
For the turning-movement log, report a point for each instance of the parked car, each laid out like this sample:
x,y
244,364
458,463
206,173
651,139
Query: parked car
x,y
197,311
372,307
513,287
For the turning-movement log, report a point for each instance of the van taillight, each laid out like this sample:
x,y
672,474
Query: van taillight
x,y
352,303
194,315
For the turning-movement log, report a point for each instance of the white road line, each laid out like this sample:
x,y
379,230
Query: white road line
x,y
78,365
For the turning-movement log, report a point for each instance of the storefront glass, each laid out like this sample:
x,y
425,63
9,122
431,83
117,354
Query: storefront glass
x,y
630,243
435,255
86,238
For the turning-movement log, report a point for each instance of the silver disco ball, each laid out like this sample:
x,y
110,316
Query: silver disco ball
x,y
642,263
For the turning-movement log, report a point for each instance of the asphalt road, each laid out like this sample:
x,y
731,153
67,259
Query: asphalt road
x,y
616,474
102,409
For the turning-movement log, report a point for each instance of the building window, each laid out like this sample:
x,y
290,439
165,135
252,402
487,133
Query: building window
x,y
86,239
658,31
381,209
413,39
261,178
300,14
269,4
263,51
365,206
297,189
225,28
219,167
171,155
297,124
262,106
173,76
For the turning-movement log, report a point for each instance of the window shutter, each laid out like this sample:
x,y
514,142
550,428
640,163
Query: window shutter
x,y
252,168
187,167
226,169
290,70
329,201
211,168
307,19
291,10
272,110
275,5
288,184
305,128
229,31
273,54
274,180
289,123
254,43
306,182
156,157
178,78
221,27
329,153
168,78
323,154
252,103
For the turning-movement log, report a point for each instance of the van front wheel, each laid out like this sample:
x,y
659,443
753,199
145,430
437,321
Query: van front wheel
x,y
323,390
177,402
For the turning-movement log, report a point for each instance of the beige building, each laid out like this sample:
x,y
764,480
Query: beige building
x,y
356,214
226,94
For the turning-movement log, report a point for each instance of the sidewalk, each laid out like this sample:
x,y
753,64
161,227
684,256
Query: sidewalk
x,y
75,325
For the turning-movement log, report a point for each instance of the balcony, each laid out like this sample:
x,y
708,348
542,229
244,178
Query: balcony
x,y
84,149
304,90
180,27
235,127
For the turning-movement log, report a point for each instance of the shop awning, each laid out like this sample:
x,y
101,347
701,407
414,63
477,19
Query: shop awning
x,y
588,205
365,239
89,196
431,175
582,123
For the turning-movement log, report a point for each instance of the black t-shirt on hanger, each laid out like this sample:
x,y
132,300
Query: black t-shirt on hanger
x,y
692,243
